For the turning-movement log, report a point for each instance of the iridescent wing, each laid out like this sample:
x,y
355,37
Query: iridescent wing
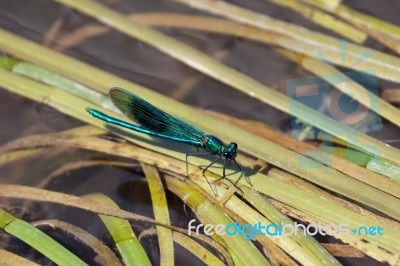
x,y
154,119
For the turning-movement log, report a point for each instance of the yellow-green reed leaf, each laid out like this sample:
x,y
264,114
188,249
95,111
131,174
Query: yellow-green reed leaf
x,y
324,20
310,248
196,249
236,259
212,214
41,195
302,248
328,211
371,21
37,194
348,154
325,4
86,130
128,245
383,31
384,168
303,200
305,41
8,258
339,215
161,214
38,240
104,255
54,79
7,62
261,147
232,77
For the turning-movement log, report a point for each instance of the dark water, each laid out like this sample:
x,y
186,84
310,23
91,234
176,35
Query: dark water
x,y
142,64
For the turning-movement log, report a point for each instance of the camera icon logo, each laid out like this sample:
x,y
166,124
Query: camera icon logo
x,y
316,93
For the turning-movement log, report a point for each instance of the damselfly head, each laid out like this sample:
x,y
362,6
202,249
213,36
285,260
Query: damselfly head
x,y
230,151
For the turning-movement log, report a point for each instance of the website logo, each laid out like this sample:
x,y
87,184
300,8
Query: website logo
x,y
281,230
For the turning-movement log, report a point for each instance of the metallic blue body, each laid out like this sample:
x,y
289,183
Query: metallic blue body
x,y
155,122
118,122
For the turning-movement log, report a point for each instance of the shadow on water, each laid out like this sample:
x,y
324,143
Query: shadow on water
x,y
186,149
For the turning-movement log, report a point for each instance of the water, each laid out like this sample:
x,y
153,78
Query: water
x,y
144,65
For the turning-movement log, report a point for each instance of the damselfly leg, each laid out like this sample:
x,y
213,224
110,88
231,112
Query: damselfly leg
x,y
223,171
